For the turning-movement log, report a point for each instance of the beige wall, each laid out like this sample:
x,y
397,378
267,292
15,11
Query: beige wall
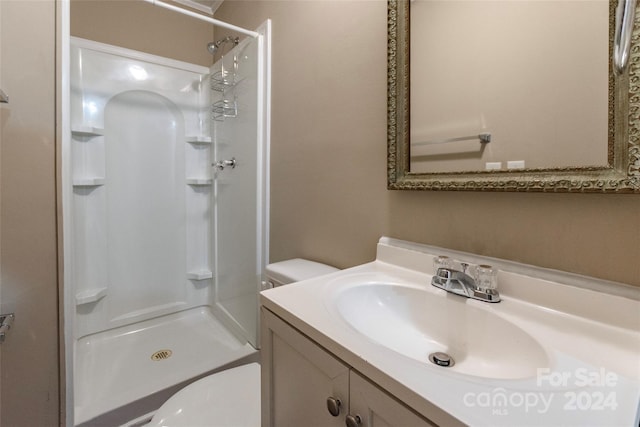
x,y
29,368
138,25
328,179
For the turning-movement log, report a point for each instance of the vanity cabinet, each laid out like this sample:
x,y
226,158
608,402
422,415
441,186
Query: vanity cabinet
x,y
302,384
377,408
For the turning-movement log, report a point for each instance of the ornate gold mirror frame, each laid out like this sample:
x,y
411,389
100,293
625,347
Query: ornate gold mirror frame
x,y
621,175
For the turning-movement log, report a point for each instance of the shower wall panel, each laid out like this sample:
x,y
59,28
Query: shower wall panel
x,y
145,204
142,186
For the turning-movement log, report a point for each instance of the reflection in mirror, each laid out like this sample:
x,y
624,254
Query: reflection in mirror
x,y
533,74
512,96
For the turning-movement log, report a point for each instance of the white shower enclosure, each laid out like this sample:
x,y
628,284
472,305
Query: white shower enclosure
x,y
165,214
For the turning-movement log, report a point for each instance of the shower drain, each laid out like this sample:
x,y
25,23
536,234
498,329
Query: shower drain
x,y
161,355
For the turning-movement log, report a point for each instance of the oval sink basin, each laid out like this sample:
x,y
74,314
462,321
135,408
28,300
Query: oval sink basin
x,y
416,323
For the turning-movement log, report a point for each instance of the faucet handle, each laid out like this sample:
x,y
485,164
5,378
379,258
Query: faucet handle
x,y
464,266
441,261
486,278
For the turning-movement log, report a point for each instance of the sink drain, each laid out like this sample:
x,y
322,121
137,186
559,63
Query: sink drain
x,y
441,359
161,355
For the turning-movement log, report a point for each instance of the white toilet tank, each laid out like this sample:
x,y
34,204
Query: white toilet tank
x,y
295,270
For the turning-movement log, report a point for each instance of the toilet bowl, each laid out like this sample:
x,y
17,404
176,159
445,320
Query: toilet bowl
x,y
228,398
231,397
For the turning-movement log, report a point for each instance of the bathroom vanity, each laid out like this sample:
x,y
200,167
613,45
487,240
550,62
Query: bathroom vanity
x,y
310,386
352,347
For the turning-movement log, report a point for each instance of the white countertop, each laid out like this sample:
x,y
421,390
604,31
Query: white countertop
x,y
591,338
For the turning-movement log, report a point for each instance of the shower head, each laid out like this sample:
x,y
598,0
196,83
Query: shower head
x,y
213,47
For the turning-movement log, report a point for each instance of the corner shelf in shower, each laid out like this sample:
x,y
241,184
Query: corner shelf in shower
x,y
90,296
88,182
86,131
199,181
200,275
198,139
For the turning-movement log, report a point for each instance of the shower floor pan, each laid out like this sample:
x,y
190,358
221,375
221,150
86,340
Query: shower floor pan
x,y
127,372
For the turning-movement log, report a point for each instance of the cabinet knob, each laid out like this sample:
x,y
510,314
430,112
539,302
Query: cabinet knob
x,y
333,405
353,420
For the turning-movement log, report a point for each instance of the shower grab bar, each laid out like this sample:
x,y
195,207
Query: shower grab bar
x,y
483,137
204,18
625,14
4,99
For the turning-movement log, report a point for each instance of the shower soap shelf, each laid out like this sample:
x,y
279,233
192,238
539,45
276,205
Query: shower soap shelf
x,y
198,139
199,181
200,275
86,131
88,182
90,296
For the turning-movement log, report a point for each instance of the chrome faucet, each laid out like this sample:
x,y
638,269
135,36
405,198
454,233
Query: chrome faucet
x,y
460,283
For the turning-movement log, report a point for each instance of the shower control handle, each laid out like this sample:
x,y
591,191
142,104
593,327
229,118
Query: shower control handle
x,y
221,164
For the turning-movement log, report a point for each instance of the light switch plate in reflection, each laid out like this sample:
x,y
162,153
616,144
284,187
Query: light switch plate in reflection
x,y
515,164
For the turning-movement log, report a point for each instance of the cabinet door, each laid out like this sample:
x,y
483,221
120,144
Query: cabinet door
x,y
376,408
298,377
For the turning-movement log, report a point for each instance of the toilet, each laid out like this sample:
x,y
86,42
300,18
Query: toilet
x,y
231,397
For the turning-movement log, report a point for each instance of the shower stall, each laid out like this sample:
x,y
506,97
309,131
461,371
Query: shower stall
x,y
165,217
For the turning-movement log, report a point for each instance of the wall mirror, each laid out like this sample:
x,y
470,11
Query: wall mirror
x,y
514,95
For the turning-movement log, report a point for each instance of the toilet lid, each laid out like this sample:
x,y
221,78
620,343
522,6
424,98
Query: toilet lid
x,y
229,398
